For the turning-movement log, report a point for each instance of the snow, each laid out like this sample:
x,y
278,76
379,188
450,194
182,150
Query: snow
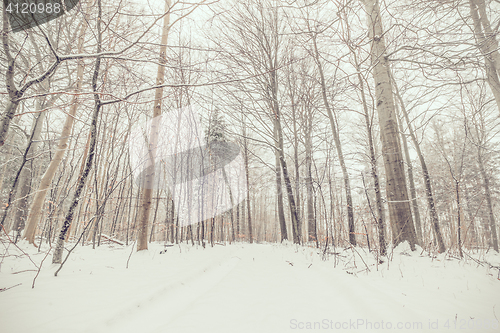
x,y
247,288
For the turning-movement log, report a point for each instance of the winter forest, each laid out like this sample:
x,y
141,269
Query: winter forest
x,y
220,165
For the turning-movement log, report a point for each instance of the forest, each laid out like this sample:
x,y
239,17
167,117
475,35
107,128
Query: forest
x,y
331,126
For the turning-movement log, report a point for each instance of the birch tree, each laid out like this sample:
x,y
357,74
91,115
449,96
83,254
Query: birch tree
x,y
368,117
88,162
397,193
62,145
147,191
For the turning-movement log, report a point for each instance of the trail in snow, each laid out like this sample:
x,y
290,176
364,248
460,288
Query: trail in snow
x,y
249,288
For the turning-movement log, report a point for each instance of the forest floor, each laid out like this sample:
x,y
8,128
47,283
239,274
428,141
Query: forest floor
x,y
241,288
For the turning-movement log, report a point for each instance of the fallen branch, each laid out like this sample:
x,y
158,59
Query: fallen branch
x,y
108,238
353,248
483,263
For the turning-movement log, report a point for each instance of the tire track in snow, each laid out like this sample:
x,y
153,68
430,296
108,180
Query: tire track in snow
x,y
157,309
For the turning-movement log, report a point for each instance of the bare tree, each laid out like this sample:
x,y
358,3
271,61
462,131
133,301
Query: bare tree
x,y
253,42
488,45
397,194
48,176
425,172
57,257
456,170
478,134
368,116
147,191
336,138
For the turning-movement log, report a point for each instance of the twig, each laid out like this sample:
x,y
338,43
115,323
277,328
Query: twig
x,y
26,270
4,289
40,268
76,244
482,263
19,247
352,247
130,255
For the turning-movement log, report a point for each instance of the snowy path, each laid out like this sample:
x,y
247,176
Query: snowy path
x,y
247,288
188,289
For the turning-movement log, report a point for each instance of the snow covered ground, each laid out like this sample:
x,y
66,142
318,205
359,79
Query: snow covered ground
x,y
246,288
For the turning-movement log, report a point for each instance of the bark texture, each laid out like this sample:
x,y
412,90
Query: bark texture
x,y
427,178
488,45
397,193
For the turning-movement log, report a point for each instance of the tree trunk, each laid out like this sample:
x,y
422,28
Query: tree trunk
x,y
291,200
238,221
311,221
231,211
492,43
247,176
279,193
296,164
459,214
11,107
397,194
373,162
10,111
409,168
147,192
284,168
27,174
39,198
486,184
338,145
14,94
57,258
425,172
487,44
15,183
8,151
